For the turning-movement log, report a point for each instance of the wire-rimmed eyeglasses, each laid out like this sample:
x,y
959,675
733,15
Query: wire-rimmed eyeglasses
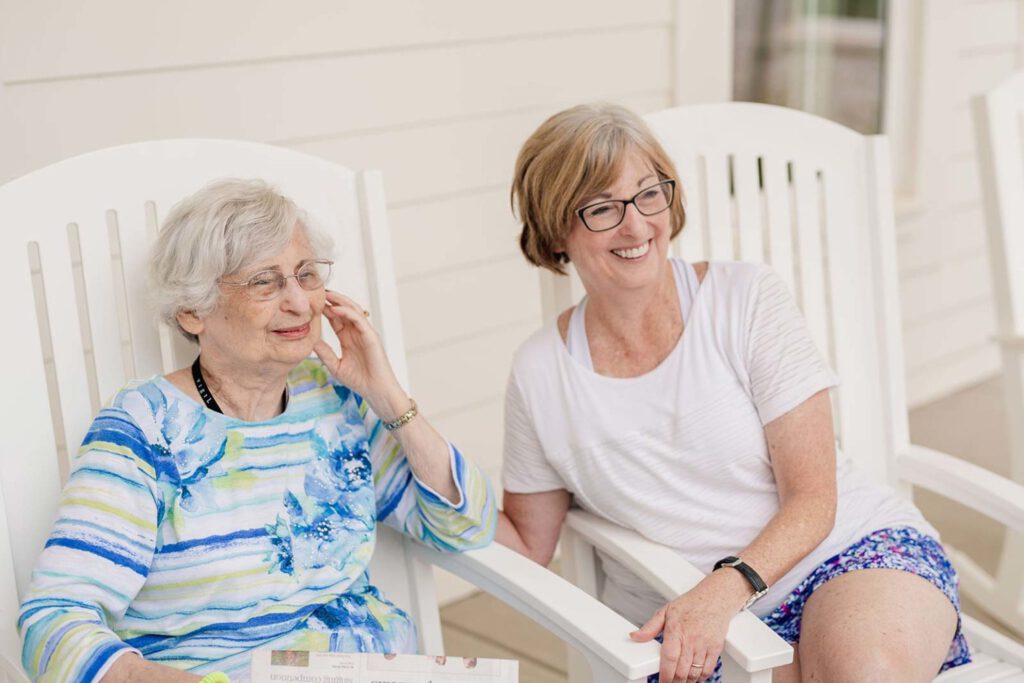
x,y
268,284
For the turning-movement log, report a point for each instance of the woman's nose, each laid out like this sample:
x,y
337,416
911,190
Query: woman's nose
x,y
295,298
631,220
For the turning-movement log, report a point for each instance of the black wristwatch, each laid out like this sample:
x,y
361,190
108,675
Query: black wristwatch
x,y
760,587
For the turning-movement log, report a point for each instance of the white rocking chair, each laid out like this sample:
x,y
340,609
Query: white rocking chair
x,y
997,123
813,199
73,240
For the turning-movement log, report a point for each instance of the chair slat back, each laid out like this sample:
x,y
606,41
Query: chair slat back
x,y
778,186
74,242
999,128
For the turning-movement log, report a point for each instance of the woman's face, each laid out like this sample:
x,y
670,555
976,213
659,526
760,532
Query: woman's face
x,y
280,331
633,254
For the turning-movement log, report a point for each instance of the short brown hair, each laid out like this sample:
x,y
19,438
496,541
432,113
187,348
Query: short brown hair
x,y
575,153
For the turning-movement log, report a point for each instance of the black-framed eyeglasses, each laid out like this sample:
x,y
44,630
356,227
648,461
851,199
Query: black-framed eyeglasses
x,y
607,214
268,284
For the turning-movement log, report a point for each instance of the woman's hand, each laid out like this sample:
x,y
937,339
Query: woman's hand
x,y
363,365
693,627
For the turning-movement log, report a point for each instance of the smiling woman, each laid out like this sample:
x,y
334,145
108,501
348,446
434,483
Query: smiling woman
x,y
233,505
687,402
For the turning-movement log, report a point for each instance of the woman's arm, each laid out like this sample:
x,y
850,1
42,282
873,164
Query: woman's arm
x,y
447,502
531,522
363,366
97,556
801,445
802,450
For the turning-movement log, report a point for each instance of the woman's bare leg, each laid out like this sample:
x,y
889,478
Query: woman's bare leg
x,y
875,625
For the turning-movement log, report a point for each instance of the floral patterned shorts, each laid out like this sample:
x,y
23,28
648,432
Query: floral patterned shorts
x,y
903,548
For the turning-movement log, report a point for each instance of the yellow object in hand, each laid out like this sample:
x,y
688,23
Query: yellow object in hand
x,y
215,677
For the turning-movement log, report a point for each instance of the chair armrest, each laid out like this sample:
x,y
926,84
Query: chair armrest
x,y
749,642
545,597
978,488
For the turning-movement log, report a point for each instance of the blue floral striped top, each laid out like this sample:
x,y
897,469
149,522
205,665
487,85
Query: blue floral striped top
x,y
192,537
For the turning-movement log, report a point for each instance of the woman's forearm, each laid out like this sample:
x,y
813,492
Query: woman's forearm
x,y
425,449
802,522
131,668
508,535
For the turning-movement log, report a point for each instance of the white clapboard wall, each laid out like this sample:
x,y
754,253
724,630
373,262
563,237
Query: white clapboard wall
x,y
946,51
438,95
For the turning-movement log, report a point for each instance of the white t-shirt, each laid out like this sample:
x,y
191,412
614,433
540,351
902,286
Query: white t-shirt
x,y
679,454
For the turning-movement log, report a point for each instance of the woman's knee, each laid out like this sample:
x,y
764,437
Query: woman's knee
x,y
883,666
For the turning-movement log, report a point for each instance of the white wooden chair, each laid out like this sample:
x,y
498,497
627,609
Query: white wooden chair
x,y
813,199
998,117
73,240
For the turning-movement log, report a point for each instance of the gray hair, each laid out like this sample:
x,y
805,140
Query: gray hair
x,y
225,226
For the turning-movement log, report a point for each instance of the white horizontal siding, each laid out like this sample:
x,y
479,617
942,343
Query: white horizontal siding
x,y
930,294
49,40
966,47
992,24
328,97
438,95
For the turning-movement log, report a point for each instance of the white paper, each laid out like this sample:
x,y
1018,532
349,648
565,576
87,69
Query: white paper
x,y
299,666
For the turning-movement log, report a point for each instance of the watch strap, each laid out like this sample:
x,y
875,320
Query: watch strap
x,y
752,577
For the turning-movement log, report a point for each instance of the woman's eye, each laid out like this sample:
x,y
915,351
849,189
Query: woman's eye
x,y
599,210
259,281
650,194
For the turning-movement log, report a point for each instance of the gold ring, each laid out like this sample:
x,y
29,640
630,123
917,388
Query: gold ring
x,y
698,667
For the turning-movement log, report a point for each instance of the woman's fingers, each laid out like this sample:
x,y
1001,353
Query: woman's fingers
x,y
326,354
651,629
671,646
695,672
710,662
336,299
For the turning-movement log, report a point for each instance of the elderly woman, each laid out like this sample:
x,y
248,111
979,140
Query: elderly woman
x,y
688,403
232,504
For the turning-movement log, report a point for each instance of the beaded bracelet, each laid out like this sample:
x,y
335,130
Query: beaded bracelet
x,y
403,419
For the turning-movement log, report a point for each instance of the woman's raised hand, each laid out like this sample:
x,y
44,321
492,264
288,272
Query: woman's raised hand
x,y
363,366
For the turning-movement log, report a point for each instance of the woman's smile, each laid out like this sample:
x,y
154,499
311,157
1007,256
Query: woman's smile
x,y
633,253
299,332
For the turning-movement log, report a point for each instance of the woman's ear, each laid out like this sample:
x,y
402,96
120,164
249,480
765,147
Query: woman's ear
x,y
190,322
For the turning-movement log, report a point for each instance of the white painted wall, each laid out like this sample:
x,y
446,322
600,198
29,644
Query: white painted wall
x,y
943,53
438,95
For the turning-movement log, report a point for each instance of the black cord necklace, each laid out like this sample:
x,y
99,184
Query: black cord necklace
x,y
204,391
207,395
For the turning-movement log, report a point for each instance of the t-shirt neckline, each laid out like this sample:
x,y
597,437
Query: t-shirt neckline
x,y
698,297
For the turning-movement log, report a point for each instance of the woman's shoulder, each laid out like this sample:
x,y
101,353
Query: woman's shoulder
x,y
539,350
737,284
737,275
143,396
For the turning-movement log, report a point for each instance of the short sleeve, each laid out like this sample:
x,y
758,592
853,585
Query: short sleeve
x,y
784,366
524,467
